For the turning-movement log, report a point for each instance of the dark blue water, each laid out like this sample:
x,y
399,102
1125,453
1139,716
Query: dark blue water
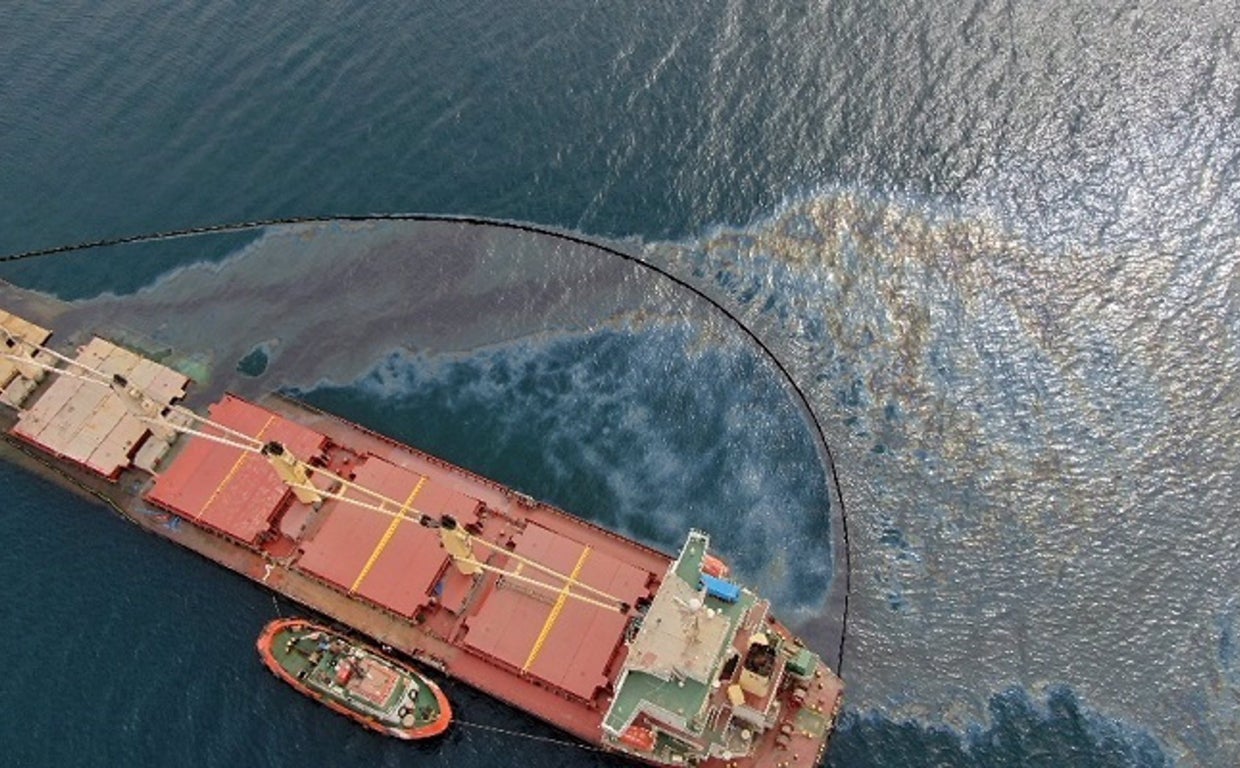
x,y
996,242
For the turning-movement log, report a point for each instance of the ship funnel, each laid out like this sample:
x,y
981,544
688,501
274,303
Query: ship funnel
x,y
292,472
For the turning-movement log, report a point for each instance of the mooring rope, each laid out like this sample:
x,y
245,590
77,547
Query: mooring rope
x,y
531,736
534,230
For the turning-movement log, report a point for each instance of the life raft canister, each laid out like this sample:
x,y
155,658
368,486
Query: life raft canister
x,y
713,566
638,738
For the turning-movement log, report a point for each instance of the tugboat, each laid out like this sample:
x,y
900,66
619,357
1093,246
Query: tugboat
x,y
354,680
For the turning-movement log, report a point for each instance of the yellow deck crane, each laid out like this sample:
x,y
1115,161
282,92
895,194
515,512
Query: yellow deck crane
x,y
296,474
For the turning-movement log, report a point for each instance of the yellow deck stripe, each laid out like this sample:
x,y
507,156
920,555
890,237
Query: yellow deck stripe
x,y
387,535
555,612
236,465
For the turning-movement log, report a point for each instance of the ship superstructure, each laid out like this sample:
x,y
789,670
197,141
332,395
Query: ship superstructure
x,y
661,658
710,672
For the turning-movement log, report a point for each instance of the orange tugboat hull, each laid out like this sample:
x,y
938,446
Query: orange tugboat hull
x,y
270,650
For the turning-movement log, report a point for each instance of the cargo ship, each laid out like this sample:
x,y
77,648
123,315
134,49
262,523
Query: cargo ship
x,y
359,682
662,658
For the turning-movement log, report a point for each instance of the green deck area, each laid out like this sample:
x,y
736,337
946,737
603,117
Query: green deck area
x,y
316,667
683,697
689,565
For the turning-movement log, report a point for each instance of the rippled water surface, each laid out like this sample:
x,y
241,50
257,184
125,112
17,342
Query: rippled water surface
x,y
994,244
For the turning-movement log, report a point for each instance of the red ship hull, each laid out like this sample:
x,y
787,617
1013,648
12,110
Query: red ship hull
x,y
521,631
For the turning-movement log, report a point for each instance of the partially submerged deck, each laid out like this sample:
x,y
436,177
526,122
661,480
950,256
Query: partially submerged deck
x,y
83,419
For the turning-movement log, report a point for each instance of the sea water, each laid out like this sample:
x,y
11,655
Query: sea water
x,y
994,243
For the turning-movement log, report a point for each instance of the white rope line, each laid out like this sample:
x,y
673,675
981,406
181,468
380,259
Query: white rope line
x,y
254,445
545,569
531,736
414,515
103,379
223,428
48,367
163,422
566,590
42,348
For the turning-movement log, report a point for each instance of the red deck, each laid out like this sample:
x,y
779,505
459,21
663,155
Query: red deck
x,y
577,642
389,561
392,561
230,490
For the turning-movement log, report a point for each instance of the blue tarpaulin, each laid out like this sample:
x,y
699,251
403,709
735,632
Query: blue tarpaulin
x,y
724,590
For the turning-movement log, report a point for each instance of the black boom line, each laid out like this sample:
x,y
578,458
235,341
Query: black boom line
x,y
535,230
